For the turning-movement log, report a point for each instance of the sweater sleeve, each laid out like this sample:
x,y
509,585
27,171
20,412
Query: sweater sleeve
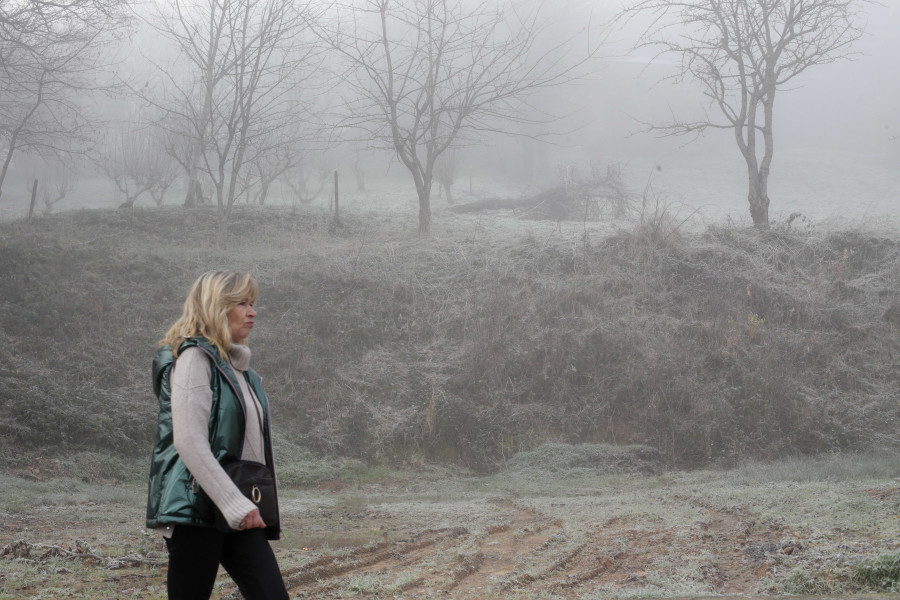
x,y
191,406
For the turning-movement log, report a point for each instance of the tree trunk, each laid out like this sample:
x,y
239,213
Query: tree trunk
x,y
424,211
757,172
221,229
193,196
6,161
424,181
33,196
759,201
337,202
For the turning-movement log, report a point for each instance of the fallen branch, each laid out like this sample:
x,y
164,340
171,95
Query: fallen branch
x,y
23,550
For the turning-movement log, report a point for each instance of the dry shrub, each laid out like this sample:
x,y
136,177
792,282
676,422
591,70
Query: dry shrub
x,y
660,221
601,194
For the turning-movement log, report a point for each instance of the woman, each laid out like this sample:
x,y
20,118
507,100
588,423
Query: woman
x,y
212,410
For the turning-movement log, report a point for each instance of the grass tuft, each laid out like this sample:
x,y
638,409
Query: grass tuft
x,y
880,574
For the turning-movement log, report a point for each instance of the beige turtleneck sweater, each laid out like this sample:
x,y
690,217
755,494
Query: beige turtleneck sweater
x,y
191,406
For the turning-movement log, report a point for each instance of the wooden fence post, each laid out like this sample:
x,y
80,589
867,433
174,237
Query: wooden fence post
x,y
337,205
33,197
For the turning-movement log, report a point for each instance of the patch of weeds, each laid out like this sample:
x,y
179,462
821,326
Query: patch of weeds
x,y
352,504
530,595
51,579
653,585
363,474
600,458
380,585
801,581
102,467
663,481
880,574
847,466
365,584
19,496
298,467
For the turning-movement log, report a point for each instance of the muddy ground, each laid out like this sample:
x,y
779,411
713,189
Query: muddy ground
x,y
502,537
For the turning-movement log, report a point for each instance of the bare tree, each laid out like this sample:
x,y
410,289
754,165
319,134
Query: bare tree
x,y
243,62
174,129
306,180
50,56
742,52
423,73
174,133
57,188
136,161
275,156
161,168
54,182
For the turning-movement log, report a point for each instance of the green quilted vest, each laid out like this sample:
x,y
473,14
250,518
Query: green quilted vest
x,y
174,497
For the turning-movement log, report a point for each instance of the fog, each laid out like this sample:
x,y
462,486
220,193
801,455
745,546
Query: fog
x,y
837,133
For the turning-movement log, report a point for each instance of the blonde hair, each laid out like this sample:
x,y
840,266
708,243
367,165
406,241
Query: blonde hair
x,y
205,312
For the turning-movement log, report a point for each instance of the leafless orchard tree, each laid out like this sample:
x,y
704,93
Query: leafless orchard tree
x,y
136,160
743,52
235,88
422,74
160,166
55,182
173,133
51,52
57,188
281,156
306,179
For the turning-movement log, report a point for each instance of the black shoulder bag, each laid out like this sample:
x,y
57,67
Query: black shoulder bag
x,y
255,481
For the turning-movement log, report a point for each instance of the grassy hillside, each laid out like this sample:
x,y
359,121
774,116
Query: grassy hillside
x,y
467,346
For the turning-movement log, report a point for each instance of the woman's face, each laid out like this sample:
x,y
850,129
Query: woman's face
x,y
240,321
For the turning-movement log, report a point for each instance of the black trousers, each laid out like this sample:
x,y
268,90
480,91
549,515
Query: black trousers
x,y
196,552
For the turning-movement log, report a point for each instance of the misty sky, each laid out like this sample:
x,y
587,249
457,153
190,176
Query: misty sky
x,y
849,107
851,104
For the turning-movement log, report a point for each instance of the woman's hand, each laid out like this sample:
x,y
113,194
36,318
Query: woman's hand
x,y
252,521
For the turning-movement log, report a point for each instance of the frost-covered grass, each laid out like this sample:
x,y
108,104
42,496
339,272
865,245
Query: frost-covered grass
x,y
522,533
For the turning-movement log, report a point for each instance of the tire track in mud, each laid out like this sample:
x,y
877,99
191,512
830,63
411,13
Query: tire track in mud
x,y
525,549
456,559
626,549
500,550
395,553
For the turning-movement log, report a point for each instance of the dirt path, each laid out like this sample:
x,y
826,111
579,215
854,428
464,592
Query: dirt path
x,y
526,550
455,560
479,546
